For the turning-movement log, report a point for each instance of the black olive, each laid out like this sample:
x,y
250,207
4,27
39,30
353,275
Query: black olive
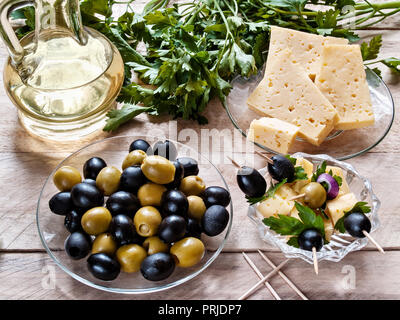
x,y
103,267
61,203
78,245
190,166
165,149
193,229
355,223
90,181
86,196
216,195
281,169
123,202
309,239
158,266
123,231
251,182
140,144
92,167
178,176
174,202
172,228
72,221
215,220
132,179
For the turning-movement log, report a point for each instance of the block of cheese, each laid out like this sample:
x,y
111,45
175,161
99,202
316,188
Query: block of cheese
x,y
336,171
306,47
286,192
274,206
339,205
288,94
308,169
273,133
343,81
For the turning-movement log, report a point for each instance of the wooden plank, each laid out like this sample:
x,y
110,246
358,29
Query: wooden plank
x,y
376,277
19,193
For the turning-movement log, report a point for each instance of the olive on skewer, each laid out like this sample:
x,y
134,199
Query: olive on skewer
x,y
311,240
313,194
279,167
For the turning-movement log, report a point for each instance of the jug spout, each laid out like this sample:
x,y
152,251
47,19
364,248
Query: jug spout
x,y
61,15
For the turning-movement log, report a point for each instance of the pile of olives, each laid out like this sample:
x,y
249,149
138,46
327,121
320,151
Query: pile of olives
x,y
149,217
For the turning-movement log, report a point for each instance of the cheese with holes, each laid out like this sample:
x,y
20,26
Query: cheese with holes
x,y
272,133
274,206
343,81
288,94
306,47
339,205
336,171
308,169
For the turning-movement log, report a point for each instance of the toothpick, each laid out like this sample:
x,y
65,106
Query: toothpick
x,y
269,160
269,275
234,162
314,252
373,241
283,276
297,197
259,274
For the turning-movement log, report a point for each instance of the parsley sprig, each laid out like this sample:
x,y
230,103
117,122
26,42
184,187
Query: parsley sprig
x,y
269,194
361,207
291,226
299,173
193,49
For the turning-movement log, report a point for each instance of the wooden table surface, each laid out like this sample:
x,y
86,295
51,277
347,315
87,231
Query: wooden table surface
x,y
25,162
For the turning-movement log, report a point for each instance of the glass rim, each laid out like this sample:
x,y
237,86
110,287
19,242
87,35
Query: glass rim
x,y
121,290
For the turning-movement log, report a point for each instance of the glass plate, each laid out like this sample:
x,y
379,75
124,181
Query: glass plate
x,y
53,233
340,244
340,144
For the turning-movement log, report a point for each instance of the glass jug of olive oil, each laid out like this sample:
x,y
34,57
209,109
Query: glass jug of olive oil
x,y
62,77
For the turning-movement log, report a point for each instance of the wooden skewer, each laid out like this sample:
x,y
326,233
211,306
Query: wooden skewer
x,y
314,252
297,197
283,276
259,274
373,241
234,162
269,275
269,160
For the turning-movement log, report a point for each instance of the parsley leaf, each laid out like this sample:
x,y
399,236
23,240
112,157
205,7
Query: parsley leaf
x,y
299,173
269,194
310,219
370,51
393,64
320,170
126,113
358,207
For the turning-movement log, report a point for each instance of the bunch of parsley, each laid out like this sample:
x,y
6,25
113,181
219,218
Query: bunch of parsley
x,y
192,50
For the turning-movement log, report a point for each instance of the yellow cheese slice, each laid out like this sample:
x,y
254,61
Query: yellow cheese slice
x,y
339,205
274,206
288,94
343,81
306,47
286,192
273,133
336,171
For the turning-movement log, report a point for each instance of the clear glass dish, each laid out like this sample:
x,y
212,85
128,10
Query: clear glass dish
x,y
340,244
53,233
341,145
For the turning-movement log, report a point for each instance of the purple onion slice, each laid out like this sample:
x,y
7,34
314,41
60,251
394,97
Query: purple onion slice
x,y
332,186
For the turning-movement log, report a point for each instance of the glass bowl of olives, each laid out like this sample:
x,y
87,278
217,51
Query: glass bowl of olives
x,y
353,192
134,214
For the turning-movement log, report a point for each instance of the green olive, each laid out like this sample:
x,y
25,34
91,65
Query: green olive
x,y
158,169
108,180
147,220
188,252
96,220
192,186
135,157
155,245
130,257
150,194
104,243
197,208
314,195
66,177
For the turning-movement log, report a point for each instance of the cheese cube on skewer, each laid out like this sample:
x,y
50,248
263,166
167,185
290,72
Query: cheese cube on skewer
x,y
288,94
274,206
343,81
339,205
273,133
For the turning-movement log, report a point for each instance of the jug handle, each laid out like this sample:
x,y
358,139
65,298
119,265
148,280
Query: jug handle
x,y
6,31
